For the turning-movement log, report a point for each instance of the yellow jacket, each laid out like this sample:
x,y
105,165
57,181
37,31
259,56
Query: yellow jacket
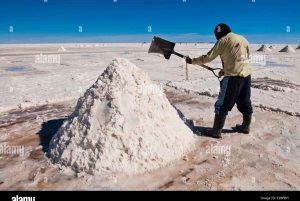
x,y
233,49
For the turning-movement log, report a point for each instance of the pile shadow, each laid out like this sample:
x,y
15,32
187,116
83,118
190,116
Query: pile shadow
x,y
48,130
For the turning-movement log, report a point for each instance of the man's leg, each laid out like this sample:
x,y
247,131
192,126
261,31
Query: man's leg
x,y
226,100
244,105
228,95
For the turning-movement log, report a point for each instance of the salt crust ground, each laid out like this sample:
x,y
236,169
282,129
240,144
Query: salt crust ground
x,y
267,159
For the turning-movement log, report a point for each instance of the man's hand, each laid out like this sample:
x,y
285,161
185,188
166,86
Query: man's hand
x,y
221,73
188,60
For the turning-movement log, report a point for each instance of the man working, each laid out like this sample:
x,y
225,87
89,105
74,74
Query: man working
x,y
236,84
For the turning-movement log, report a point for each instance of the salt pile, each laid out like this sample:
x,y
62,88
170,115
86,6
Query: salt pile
x,y
272,47
104,45
96,45
122,123
264,48
61,49
298,47
287,49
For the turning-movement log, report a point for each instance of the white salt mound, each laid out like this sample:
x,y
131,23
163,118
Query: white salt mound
x,y
120,125
61,49
272,47
104,45
298,47
96,45
287,49
264,48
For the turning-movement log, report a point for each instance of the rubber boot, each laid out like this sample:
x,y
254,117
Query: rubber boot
x,y
245,127
215,132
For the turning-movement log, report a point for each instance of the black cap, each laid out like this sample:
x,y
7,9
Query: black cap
x,y
221,30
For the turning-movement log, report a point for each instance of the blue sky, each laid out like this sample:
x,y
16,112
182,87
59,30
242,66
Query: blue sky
x,y
36,21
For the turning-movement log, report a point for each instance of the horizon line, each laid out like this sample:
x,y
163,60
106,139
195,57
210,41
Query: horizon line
x,y
141,38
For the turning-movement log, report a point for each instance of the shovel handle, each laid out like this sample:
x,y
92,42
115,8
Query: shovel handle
x,y
184,57
180,55
205,66
209,68
186,71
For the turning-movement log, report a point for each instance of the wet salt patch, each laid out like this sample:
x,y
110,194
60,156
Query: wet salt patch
x,y
15,68
275,64
270,64
122,53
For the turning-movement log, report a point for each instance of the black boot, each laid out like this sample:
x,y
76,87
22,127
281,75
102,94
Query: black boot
x,y
245,127
215,132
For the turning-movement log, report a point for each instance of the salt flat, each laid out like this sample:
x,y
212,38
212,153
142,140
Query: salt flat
x,y
37,97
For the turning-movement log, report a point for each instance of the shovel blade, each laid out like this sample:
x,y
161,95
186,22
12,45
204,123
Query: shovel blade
x,y
161,46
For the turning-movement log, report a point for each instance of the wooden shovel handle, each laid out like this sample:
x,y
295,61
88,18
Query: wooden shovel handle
x,y
205,66
187,72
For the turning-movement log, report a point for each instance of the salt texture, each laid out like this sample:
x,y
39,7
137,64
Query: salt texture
x,y
117,128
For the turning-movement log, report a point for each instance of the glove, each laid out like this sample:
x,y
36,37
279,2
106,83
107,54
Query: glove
x,y
221,73
188,60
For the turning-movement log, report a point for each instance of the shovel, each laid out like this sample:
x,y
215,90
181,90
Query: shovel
x,y
166,48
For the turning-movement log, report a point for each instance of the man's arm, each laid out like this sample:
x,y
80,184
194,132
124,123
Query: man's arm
x,y
211,55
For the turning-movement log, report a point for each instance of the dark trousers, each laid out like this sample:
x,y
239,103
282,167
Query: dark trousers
x,y
234,90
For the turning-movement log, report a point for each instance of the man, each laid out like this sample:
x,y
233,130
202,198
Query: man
x,y
236,84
